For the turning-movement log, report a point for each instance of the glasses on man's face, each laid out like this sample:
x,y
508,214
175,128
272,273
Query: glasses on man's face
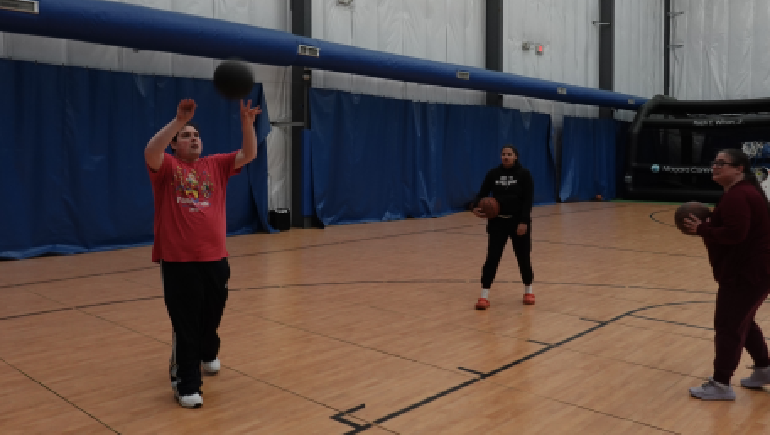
x,y
720,163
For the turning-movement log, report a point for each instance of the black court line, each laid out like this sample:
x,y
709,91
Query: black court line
x,y
470,371
652,216
767,338
59,395
254,254
36,313
358,428
486,375
674,323
339,418
586,245
88,275
540,343
79,307
590,320
360,282
587,210
246,375
275,251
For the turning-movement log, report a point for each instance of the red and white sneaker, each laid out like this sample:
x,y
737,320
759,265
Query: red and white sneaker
x,y
529,299
482,304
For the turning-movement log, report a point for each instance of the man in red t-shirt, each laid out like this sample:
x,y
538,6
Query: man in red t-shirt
x,y
190,227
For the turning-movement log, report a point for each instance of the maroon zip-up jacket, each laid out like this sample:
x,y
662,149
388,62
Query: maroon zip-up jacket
x,y
737,238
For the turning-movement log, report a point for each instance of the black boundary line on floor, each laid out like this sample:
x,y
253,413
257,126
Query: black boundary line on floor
x,y
586,319
680,324
88,275
339,417
675,323
254,254
482,375
586,245
426,281
79,307
58,395
767,338
652,216
296,248
539,342
246,375
358,427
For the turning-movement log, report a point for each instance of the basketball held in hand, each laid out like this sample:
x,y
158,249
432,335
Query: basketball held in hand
x,y
700,210
233,79
490,207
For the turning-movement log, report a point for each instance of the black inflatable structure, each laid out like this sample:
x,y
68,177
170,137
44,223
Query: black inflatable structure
x,y
672,143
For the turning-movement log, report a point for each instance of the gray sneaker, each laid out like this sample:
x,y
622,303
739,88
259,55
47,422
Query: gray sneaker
x,y
758,379
713,390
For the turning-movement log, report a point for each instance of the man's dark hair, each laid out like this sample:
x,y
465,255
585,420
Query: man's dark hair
x,y
191,124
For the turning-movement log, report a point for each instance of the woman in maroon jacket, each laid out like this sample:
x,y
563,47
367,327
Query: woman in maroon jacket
x,y
737,237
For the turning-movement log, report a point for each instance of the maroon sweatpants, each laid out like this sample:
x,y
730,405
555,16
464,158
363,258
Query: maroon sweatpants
x,y
735,329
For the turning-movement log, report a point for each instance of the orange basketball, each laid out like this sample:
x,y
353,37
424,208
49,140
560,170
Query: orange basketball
x,y
490,207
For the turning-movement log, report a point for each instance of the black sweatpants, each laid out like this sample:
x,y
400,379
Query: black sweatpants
x,y
736,329
500,230
195,294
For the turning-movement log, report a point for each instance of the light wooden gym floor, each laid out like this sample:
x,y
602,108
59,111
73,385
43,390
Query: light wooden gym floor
x,y
371,329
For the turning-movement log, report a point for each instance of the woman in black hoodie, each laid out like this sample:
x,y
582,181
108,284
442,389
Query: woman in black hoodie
x,y
512,186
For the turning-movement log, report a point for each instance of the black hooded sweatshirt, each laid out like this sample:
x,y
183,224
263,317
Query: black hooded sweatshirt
x,y
514,190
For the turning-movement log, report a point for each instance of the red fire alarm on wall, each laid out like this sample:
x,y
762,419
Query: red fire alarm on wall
x,y
539,50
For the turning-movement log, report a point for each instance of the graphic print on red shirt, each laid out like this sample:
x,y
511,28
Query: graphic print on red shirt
x,y
190,222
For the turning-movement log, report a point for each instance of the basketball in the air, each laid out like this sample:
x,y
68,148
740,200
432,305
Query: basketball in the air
x,y
693,207
233,79
490,207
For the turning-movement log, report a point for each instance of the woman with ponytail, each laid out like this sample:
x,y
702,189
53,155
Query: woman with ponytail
x,y
737,238
512,186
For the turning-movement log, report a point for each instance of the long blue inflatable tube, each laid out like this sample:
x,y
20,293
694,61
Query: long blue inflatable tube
x,y
142,28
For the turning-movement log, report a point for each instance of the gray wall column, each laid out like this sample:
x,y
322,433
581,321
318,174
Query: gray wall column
x,y
666,46
300,25
494,45
606,50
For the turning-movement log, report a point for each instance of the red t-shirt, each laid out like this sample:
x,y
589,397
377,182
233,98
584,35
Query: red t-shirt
x,y
190,223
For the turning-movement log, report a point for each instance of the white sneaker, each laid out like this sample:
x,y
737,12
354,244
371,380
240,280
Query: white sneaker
x,y
758,379
210,367
713,390
189,401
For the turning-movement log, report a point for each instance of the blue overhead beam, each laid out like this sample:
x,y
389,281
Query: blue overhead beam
x,y
142,28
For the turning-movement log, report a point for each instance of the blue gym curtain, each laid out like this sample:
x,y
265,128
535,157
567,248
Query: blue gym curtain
x,y
73,151
378,159
589,159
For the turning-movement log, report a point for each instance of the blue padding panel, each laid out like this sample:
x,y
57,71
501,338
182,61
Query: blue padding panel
x,y
125,25
73,142
589,158
379,159
307,181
